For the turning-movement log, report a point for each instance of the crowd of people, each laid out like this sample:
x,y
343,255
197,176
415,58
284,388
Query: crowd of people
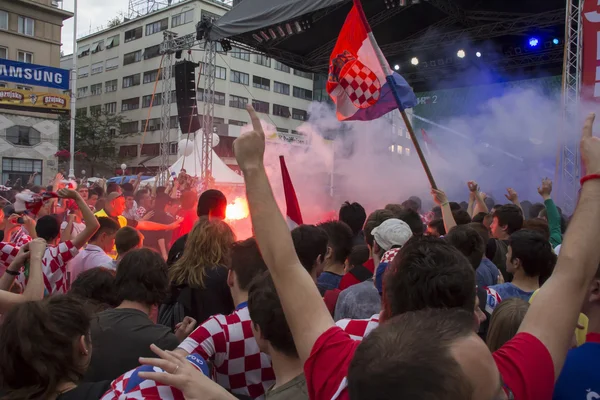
x,y
122,292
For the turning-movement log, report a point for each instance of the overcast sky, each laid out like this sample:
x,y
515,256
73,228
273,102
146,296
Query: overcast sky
x,y
91,14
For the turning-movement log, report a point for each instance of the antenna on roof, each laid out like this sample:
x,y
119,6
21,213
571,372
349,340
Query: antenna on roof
x,y
138,8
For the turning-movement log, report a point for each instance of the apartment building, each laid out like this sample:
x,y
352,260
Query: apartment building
x,y
117,70
30,31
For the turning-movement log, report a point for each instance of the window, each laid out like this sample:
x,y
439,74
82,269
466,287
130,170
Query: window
x,y
157,26
237,123
283,130
81,112
3,52
153,124
83,51
112,63
133,34
147,100
263,60
302,93
282,88
26,26
130,104
281,67
218,121
132,57
219,97
407,151
260,106
97,67
82,92
97,46
2,85
174,122
129,150
25,56
82,72
240,77
96,110
237,101
173,148
182,18
303,74
113,41
130,127
150,149
3,20
281,111
261,83
151,52
21,87
240,54
111,108
23,135
21,168
150,76
131,80
96,89
298,114
110,86
220,72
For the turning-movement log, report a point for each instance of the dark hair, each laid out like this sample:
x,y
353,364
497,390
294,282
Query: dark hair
x,y
96,288
47,227
266,313
534,251
162,200
127,187
454,206
112,187
428,273
410,357
538,225
489,202
354,215
411,205
128,194
212,201
468,241
310,242
142,277
482,230
395,209
246,262
464,205
375,219
535,209
437,212
526,207
107,225
97,190
479,217
127,238
188,200
413,219
461,217
339,238
438,225
141,193
36,346
359,255
37,189
509,215
161,189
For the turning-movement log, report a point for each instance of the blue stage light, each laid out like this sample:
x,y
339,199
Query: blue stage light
x,y
555,41
534,42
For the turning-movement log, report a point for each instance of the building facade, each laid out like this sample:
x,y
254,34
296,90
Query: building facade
x,y
30,31
117,71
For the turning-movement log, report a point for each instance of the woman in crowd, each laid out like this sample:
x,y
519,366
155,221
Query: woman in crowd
x,y
199,277
505,322
45,349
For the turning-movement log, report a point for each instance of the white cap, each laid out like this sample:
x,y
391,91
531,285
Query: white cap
x,y
392,232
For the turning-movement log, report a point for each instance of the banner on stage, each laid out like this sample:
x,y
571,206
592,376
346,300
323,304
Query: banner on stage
x,y
27,100
34,75
590,60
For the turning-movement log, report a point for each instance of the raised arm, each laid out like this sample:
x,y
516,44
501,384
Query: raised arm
x,y
439,197
91,222
305,311
553,315
552,213
480,205
154,226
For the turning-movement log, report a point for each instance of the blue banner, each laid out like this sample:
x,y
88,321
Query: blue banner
x,y
33,74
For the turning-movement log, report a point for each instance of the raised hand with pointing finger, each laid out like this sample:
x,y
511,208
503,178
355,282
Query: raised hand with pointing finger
x,y
249,148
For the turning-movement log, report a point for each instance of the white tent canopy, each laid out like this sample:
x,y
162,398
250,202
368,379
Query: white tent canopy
x,y
192,164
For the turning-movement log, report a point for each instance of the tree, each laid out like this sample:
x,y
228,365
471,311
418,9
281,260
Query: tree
x,y
95,135
112,23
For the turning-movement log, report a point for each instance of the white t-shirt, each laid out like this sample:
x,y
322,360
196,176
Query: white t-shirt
x,y
78,227
91,256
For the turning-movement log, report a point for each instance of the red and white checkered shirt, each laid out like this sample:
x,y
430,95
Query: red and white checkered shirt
x,y
358,329
20,237
54,265
228,342
121,388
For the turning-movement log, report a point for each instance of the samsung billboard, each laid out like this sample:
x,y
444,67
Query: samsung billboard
x,y
33,74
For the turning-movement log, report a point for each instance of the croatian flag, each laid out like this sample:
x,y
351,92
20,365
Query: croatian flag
x,y
358,74
294,216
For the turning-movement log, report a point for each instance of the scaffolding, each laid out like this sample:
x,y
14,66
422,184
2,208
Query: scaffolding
x,y
209,67
165,116
568,168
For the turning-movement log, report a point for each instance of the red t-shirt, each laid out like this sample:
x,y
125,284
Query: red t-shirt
x,y
350,280
523,362
188,219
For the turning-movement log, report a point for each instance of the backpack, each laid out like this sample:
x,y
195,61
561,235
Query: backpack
x,y
172,312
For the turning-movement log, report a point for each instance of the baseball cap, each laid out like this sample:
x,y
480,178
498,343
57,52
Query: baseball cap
x,y
392,232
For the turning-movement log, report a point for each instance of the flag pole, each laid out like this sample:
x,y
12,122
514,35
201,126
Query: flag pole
x,y
390,80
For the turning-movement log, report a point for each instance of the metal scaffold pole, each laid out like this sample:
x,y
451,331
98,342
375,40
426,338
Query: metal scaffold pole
x,y
165,116
208,110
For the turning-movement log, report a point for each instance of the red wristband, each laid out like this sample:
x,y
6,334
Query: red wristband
x,y
589,178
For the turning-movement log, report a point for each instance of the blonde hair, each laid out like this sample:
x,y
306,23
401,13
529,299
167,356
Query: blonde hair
x,y
208,245
505,322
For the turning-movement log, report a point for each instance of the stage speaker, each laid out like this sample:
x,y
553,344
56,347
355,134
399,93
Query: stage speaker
x,y
185,89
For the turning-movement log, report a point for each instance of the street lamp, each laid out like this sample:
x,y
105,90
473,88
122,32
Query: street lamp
x,y
123,168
